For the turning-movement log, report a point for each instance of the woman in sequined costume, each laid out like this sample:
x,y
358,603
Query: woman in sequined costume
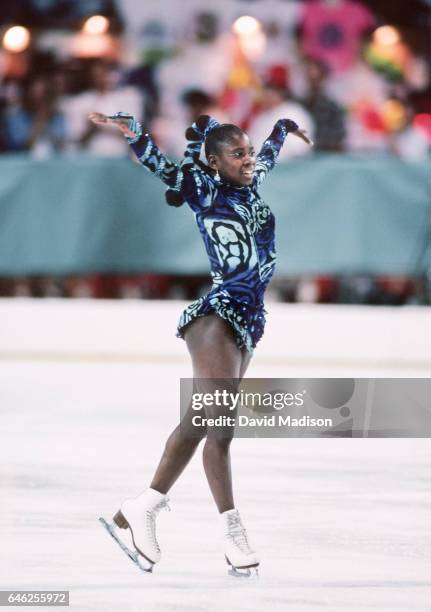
x,y
222,328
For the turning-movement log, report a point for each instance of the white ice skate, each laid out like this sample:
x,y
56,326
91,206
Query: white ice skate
x,y
139,516
242,559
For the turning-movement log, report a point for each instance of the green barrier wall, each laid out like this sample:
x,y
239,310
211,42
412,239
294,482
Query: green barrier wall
x,y
334,215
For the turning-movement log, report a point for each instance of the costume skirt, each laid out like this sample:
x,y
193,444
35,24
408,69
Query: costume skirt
x,y
247,321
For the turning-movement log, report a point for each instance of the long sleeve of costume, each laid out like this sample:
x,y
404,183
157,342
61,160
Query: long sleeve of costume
x,y
267,156
150,156
185,181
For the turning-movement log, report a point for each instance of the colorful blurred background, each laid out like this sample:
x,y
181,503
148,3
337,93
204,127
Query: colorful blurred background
x,y
79,219
89,386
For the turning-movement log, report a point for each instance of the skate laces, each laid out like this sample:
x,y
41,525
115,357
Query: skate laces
x,y
151,520
237,533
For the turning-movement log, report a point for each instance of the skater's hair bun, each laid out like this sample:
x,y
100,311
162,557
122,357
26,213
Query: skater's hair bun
x,y
200,129
174,198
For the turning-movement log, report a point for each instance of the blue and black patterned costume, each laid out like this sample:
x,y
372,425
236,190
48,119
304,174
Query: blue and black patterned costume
x,y
237,228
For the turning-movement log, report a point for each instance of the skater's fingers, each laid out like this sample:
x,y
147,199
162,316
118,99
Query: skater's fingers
x,y
303,135
98,118
101,119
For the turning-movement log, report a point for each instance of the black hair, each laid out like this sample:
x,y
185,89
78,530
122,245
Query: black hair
x,y
213,141
219,136
197,97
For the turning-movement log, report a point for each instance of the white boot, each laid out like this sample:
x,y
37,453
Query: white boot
x,y
139,515
237,549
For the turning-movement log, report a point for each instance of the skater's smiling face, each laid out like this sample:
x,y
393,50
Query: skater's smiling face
x,y
233,158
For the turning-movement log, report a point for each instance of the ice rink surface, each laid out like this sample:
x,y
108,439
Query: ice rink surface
x,y
341,524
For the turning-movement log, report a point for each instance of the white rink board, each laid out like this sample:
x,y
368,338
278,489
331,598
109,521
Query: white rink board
x,y
341,524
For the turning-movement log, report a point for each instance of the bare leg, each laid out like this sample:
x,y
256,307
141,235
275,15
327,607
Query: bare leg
x,y
214,355
179,449
216,359
216,457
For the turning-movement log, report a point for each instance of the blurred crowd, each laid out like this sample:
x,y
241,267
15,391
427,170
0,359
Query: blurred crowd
x,y
356,85
352,85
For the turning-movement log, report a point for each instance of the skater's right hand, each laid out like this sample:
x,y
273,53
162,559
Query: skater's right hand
x,y
304,136
120,122
294,128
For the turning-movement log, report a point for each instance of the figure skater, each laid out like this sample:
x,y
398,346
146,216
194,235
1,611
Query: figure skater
x,y
222,328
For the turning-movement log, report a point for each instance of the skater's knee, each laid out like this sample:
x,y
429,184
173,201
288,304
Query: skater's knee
x,y
182,443
220,442
213,382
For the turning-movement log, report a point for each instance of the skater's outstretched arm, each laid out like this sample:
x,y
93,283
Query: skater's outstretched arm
x,y
185,181
147,152
267,156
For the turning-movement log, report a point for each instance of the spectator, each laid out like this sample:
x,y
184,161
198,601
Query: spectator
x,y
110,98
409,142
332,31
363,93
198,102
35,124
328,116
171,132
201,62
276,104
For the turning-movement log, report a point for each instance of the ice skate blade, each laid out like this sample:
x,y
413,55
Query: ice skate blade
x,y
143,564
252,573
